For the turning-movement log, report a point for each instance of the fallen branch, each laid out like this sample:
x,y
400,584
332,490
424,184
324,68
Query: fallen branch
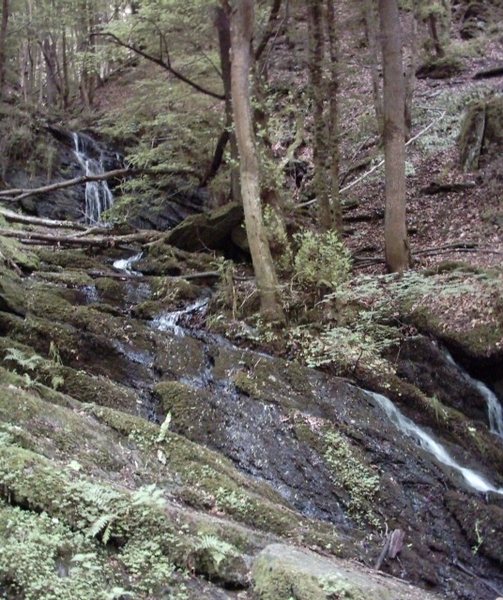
x,y
25,193
446,188
380,164
450,246
15,217
78,240
434,251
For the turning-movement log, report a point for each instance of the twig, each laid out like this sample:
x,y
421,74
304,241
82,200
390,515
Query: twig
x,y
24,193
380,164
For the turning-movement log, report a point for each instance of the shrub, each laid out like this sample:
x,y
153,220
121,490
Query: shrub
x,y
321,260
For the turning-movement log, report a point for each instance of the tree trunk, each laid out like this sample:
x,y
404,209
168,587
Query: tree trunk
x,y
3,44
222,22
371,30
318,94
410,74
333,119
395,229
242,24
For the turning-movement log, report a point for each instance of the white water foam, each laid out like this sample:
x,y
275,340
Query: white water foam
x,y
426,441
126,264
494,409
171,321
98,196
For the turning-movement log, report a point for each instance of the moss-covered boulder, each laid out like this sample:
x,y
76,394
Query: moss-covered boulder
x,y
281,572
481,136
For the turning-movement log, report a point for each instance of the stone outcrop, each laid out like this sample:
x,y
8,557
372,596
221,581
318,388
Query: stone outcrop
x,y
160,460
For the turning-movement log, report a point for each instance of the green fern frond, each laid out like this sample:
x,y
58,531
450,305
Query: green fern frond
x,y
218,549
22,359
102,523
101,497
164,428
148,495
57,381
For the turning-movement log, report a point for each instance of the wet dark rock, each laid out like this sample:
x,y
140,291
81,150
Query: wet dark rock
x,y
212,230
294,453
423,363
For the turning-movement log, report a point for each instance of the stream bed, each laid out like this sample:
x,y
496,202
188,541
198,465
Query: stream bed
x,y
326,449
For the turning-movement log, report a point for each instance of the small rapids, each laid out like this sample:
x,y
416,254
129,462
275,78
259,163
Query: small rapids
x,y
177,320
494,409
126,264
426,441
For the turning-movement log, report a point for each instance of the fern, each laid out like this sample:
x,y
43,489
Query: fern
x,y
22,359
218,549
164,429
148,495
102,523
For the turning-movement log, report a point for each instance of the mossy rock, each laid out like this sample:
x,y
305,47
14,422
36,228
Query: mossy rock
x,y
12,294
183,402
479,522
281,572
440,68
14,252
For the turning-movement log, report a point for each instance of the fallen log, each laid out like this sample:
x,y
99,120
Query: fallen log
x,y
15,217
17,194
106,241
446,188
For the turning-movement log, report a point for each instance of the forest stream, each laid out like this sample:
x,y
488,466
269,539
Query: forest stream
x,y
296,454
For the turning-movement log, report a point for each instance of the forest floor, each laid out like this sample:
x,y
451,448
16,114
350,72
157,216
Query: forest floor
x,y
439,223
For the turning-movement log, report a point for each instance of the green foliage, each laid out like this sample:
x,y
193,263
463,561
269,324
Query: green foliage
x,y
351,473
31,363
22,359
321,260
163,431
375,304
479,538
116,508
165,124
447,116
218,549
43,559
150,568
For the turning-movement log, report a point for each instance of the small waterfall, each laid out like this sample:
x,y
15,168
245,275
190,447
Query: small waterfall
x,y
494,409
98,196
126,264
426,441
175,321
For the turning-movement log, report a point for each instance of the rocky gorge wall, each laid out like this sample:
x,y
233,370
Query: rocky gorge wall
x,y
181,466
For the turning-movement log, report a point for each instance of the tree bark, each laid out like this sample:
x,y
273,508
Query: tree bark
x,y
318,94
242,24
333,120
395,228
3,44
223,24
371,30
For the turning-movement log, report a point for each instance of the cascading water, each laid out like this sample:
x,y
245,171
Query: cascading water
x,y
126,264
426,441
494,409
98,196
174,321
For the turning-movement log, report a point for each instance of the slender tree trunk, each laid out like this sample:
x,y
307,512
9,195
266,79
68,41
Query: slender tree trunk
x,y
242,25
3,44
333,120
372,39
222,22
395,228
318,94
410,76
